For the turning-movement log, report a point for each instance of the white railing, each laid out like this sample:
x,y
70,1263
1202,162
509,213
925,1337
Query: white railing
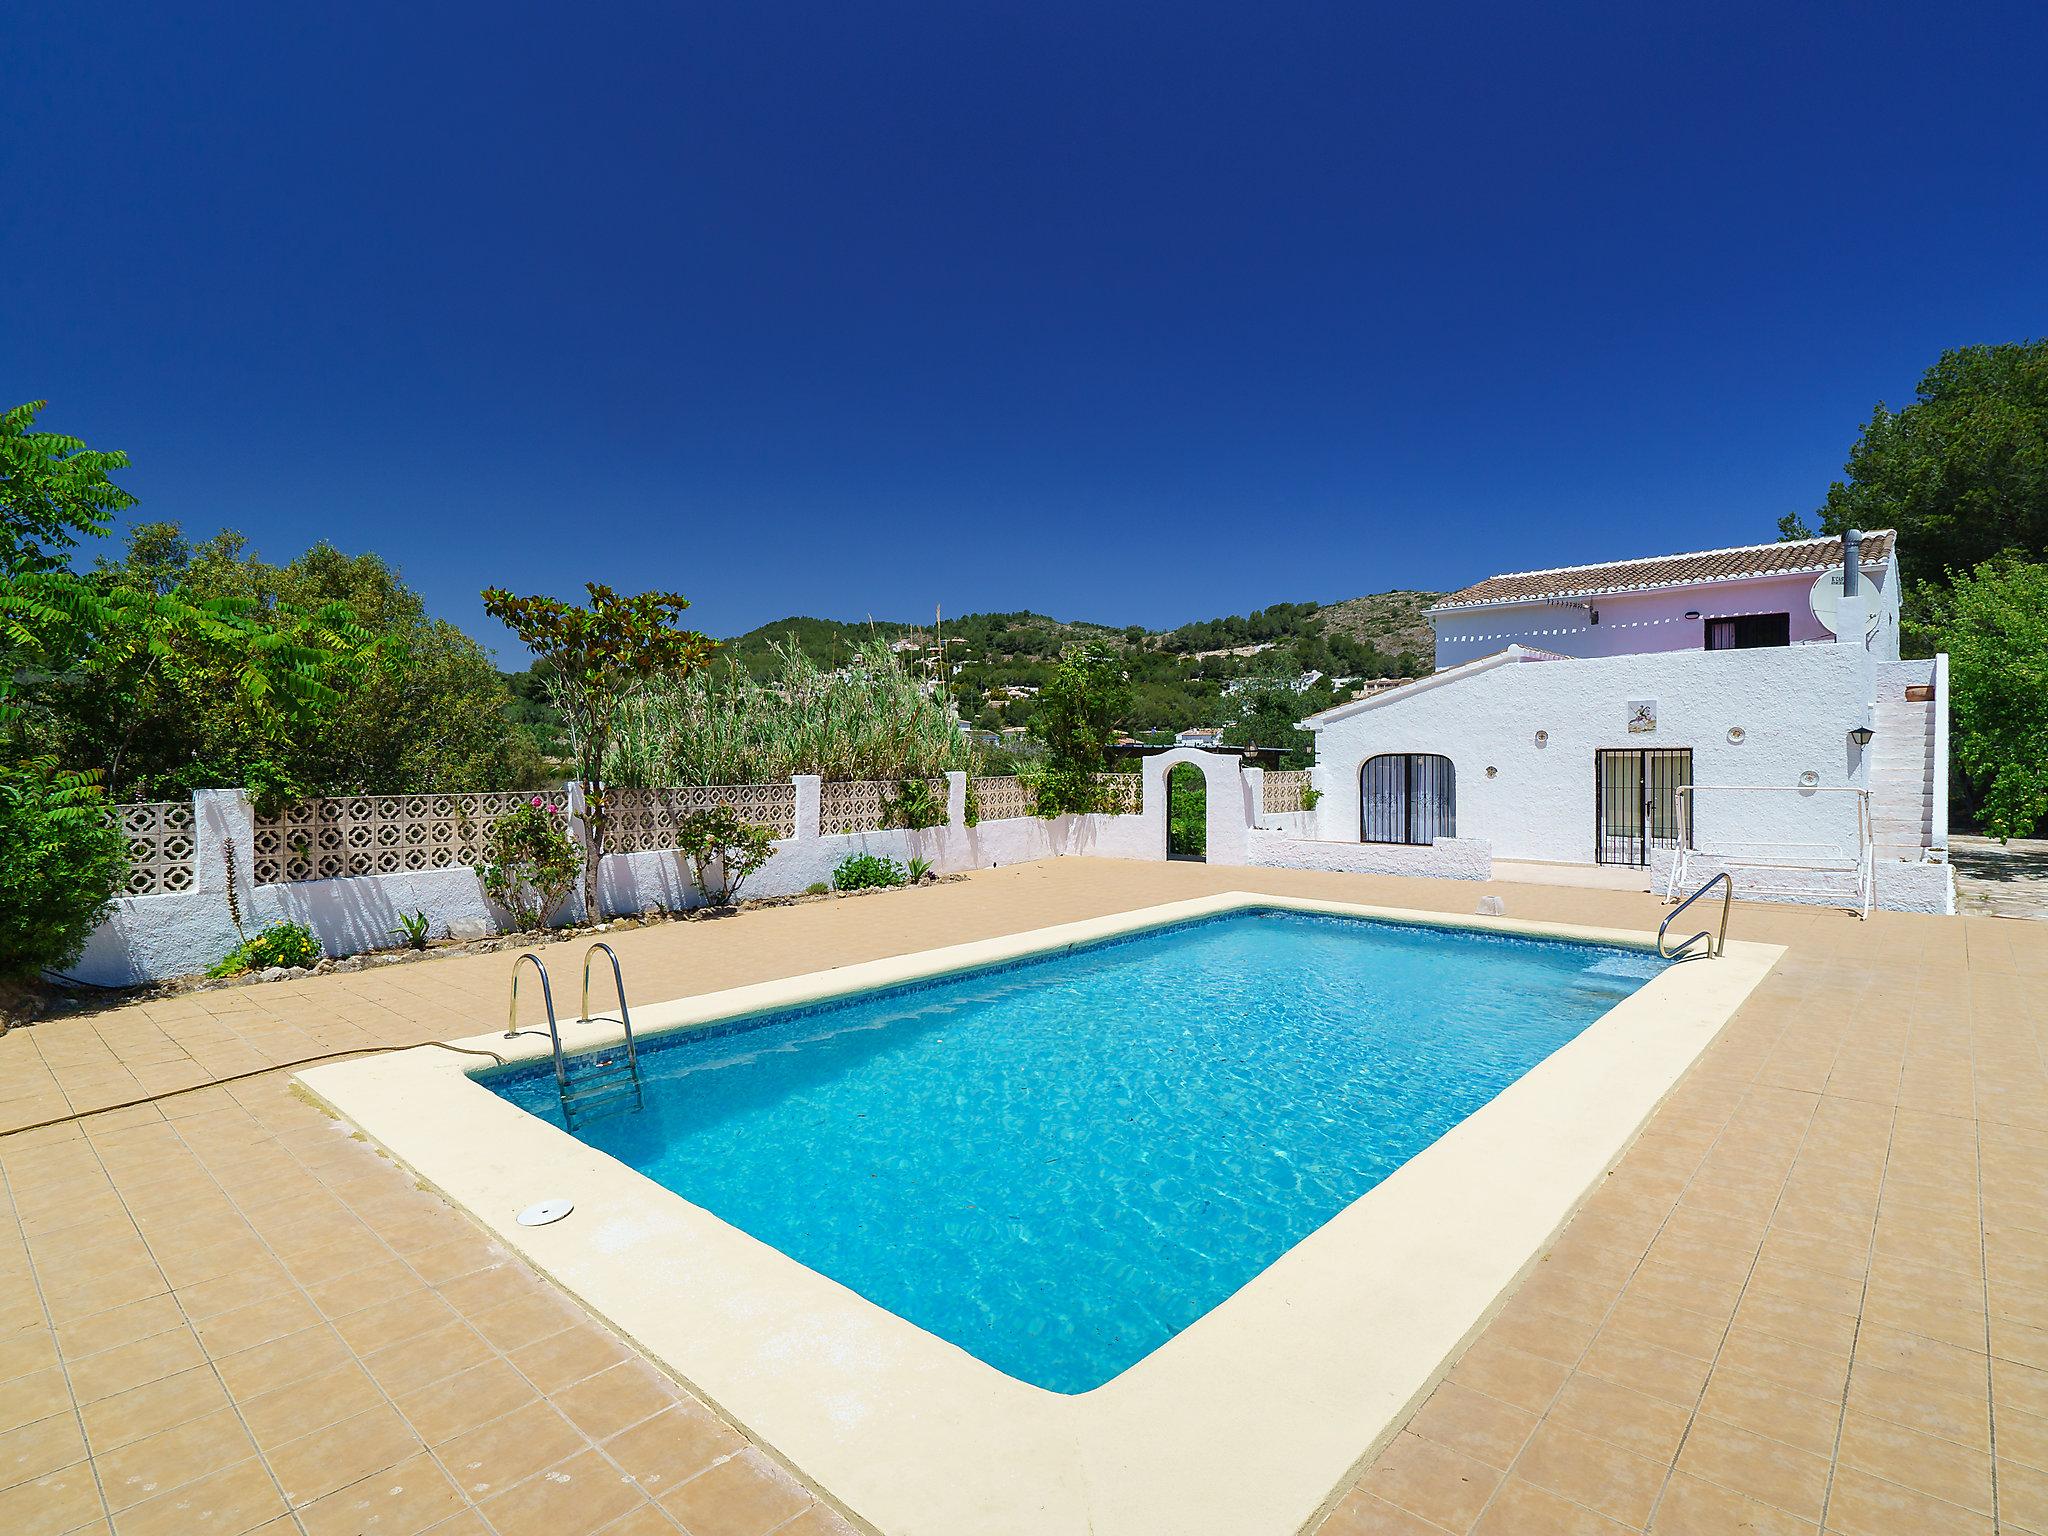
x,y
1794,856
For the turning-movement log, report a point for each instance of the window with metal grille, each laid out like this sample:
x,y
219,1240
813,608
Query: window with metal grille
x,y
1407,797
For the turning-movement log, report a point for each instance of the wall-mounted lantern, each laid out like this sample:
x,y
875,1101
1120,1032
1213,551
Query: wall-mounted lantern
x,y
1861,735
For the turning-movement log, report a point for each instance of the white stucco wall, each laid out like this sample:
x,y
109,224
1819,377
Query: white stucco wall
x,y
1448,858
1636,622
1794,705
147,938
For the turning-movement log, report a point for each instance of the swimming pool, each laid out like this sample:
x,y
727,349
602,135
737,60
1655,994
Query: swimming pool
x,y
1060,1162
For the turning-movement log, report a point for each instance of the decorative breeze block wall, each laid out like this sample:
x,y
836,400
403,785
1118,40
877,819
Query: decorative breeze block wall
x,y
161,842
648,820
328,839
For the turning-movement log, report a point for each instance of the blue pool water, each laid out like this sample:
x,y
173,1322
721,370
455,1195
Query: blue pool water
x,y
1061,1162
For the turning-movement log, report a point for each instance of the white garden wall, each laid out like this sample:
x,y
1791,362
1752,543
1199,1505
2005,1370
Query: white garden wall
x,y
178,933
1448,858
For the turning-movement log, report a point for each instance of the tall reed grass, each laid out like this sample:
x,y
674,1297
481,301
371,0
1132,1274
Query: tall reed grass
x,y
720,725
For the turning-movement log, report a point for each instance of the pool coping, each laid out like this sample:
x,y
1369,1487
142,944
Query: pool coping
x,y
1246,1423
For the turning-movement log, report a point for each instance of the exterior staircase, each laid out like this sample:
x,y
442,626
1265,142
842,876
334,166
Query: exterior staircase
x,y
1902,779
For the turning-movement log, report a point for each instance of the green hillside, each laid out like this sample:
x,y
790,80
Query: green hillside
x,y
1181,676
1243,672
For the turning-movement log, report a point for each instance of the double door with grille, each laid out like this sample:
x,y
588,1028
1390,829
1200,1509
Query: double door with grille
x,y
1636,804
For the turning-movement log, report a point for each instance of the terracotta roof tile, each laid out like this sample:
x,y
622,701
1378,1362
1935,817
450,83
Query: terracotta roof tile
x,y
1665,571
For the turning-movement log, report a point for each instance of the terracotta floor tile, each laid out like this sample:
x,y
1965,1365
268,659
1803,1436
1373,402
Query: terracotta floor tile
x,y
1696,1508
147,1410
1525,1326
1366,1514
1816,1372
258,1323
1523,1509
1862,1505
1924,1360
1764,1408
653,1520
571,1498
1480,1426
401,1500
102,1331
564,1358
56,1502
230,1502
39,1448
746,1495
1594,1473
142,1469
494,1456
1638,1319
1763,1469
524,1320
34,1396
313,1403
427,1358
1432,1481
1659,1373
1940,1468
457,1404
666,1451
266,1367
363,1445
615,1399
2022,1496
1649,1426
1527,1381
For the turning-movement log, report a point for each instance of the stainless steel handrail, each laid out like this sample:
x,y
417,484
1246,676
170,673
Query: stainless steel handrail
x,y
547,997
619,986
1714,946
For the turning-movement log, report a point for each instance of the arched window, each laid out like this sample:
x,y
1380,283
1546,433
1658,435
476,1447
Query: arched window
x,y
1407,797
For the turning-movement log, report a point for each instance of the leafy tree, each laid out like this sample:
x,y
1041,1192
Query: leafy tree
x,y
194,681
76,651
1962,472
53,490
61,857
1269,710
1079,716
1993,622
431,714
600,657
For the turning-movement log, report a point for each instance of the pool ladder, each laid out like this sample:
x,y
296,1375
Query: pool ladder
x,y
607,1082
1717,943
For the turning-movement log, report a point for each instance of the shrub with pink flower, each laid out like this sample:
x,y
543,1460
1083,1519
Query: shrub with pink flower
x,y
530,863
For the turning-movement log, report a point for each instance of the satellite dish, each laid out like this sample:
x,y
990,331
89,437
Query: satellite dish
x,y
1826,598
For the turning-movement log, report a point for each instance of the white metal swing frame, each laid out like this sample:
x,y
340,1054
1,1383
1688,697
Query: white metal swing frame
x,y
1819,858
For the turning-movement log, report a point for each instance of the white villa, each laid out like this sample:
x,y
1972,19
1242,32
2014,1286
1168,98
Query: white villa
x,y
1737,708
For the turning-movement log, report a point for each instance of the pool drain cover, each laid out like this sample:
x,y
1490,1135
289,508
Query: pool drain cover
x,y
547,1211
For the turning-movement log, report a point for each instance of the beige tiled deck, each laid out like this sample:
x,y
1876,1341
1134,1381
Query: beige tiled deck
x,y
1815,1291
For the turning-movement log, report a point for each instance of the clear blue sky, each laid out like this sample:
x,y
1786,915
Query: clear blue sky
x,y
1132,312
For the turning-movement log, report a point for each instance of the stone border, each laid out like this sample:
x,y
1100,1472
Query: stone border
x,y
1244,1424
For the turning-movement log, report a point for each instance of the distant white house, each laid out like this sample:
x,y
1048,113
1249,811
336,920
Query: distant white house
x,y
1746,705
1201,736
